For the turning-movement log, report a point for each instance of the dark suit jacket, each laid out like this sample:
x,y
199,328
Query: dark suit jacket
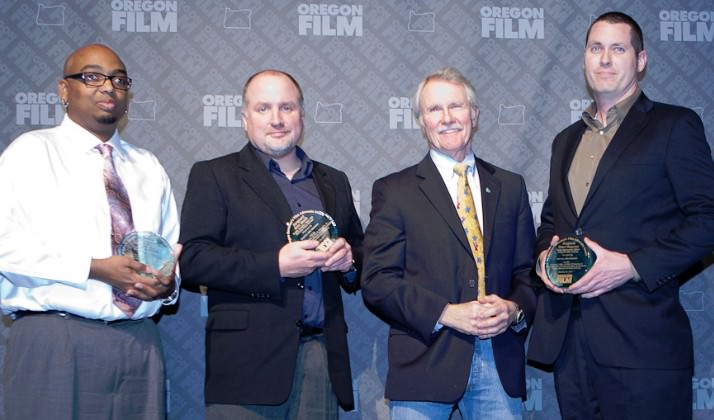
x,y
233,224
417,260
652,198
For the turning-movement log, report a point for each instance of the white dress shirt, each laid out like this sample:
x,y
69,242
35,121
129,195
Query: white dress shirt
x,y
54,218
445,166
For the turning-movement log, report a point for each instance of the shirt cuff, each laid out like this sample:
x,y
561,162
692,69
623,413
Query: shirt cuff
x,y
350,275
636,276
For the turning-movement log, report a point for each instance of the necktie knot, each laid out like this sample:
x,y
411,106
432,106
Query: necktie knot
x,y
105,150
460,169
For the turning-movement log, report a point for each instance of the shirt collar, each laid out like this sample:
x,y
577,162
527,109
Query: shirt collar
x,y
615,115
445,164
85,141
306,164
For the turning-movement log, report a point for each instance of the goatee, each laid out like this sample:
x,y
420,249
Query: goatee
x,y
110,119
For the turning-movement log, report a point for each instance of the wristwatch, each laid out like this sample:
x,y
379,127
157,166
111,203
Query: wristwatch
x,y
519,322
170,298
520,316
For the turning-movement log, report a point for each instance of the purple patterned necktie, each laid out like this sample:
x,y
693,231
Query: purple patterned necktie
x,y
122,222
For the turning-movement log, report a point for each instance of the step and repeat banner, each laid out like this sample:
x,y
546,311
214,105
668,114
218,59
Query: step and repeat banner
x,y
359,63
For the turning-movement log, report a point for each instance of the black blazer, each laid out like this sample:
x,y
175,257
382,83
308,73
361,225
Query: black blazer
x,y
417,259
233,224
652,198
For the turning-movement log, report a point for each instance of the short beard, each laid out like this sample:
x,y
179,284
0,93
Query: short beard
x,y
279,153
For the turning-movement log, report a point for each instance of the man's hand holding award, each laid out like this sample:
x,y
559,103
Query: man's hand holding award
x,y
156,253
567,261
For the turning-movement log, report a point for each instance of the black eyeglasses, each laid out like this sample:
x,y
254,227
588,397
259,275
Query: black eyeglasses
x,y
94,79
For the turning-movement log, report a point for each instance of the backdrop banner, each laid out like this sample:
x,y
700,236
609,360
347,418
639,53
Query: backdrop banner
x,y
359,63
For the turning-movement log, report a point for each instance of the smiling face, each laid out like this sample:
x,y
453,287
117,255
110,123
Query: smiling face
x,y
611,63
98,109
272,115
447,118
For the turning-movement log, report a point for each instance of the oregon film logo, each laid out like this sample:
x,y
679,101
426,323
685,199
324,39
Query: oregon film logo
x,y
400,114
577,107
222,110
38,108
144,15
330,19
534,388
703,393
512,22
686,25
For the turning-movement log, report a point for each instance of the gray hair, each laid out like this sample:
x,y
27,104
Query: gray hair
x,y
448,74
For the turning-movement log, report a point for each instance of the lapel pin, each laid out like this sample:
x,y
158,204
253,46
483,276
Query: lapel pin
x,y
488,190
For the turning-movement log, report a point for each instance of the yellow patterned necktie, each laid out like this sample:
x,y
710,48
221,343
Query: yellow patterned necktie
x,y
469,219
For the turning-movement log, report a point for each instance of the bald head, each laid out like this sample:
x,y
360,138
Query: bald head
x,y
81,55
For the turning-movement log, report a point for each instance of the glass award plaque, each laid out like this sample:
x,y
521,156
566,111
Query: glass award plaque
x,y
313,225
150,249
568,260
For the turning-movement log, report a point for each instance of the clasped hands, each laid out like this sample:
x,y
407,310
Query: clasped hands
x,y
134,278
485,318
299,258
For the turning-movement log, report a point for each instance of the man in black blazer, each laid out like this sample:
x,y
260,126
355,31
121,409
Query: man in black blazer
x,y
635,178
276,338
447,345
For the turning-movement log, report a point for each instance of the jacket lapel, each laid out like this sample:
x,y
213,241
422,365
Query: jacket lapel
x,y
490,194
257,176
634,122
568,154
325,188
432,185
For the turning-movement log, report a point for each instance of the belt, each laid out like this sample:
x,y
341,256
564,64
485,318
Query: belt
x,y
21,314
309,331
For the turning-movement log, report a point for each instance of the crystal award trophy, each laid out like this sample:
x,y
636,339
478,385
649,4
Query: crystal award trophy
x,y
150,249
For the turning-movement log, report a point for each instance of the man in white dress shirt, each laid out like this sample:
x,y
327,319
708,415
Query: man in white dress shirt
x,y
72,352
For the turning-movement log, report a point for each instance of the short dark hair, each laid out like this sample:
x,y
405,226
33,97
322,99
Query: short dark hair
x,y
301,100
636,38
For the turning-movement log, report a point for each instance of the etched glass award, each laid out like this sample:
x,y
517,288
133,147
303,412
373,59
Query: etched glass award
x,y
568,260
150,249
313,225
